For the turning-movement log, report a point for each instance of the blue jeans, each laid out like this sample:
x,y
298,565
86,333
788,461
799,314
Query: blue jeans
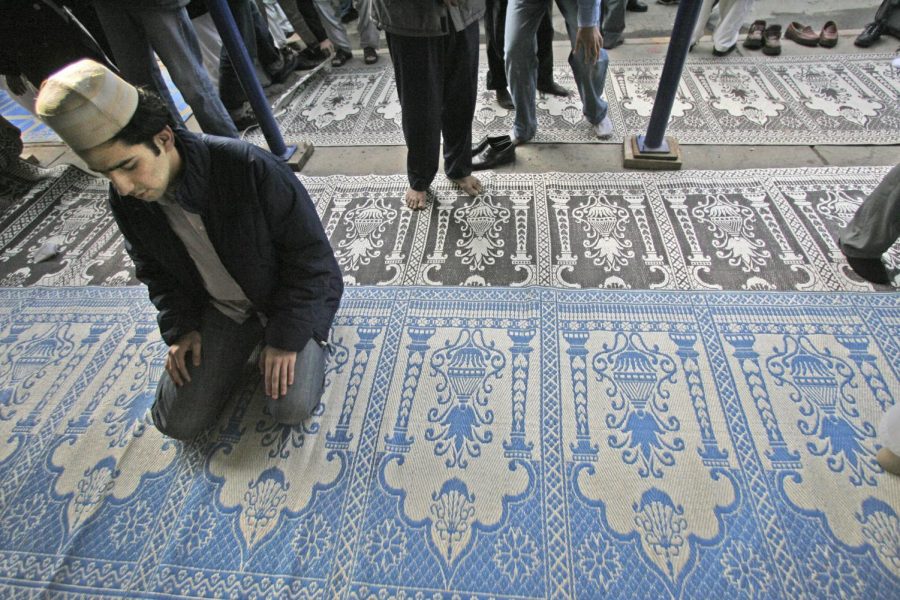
x,y
522,20
136,33
183,412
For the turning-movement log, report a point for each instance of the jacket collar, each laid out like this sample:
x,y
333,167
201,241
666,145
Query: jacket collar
x,y
193,181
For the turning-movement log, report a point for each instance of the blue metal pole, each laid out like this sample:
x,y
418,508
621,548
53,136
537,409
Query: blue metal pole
x,y
685,19
243,66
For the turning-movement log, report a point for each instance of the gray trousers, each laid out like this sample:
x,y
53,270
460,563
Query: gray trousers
x,y
329,12
876,225
136,33
613,20
183,412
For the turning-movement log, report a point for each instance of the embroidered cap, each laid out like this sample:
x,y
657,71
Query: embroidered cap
x,y
86,104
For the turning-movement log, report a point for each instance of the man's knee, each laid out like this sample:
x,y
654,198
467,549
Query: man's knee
x,y
296,407
169,415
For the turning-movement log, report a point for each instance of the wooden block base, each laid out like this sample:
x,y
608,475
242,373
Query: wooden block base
x,y
653,161
301,155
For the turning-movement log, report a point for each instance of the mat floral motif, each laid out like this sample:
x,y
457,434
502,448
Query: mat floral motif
x,y
844,99
476,443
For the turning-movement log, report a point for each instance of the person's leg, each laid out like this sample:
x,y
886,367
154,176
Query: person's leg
x,y
522,20
590,77
225,346
173,38
304,395
613,22
265,47
494,26
460,92
301,28
700,27
418,71
132,51
545,81
331,20
230,90
307,9
876,225
369,36
732,14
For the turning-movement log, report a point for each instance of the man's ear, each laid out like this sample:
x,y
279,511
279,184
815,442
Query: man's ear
x,y
165,139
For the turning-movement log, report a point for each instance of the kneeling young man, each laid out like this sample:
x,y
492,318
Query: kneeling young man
x,y
225,238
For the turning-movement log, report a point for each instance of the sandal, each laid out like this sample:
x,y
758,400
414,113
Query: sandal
x,y
370,57
340,57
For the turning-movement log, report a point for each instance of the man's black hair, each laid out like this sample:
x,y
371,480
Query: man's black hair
x,y
149,118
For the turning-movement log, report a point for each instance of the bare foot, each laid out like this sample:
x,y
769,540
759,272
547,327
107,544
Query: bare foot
x,y
415,200
469,184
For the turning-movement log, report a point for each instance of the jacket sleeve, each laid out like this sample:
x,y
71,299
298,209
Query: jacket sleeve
x,y
178,314
309,285
588,13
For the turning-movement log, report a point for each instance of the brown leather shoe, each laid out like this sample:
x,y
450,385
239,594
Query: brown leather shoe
x,y
829,36
772,40
802,34
754,39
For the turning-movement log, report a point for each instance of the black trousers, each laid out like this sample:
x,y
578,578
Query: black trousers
x,y
495,31
437,82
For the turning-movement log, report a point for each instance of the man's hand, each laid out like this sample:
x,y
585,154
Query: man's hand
x,y
590,39
175,365
277,368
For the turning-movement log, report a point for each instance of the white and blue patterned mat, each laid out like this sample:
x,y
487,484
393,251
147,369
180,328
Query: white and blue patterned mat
x,y
472,443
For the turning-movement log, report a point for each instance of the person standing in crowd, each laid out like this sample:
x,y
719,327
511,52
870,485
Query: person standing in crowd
x,y
434,49
613,20
495,32
873,230
732,14
138,28
190,206
588,60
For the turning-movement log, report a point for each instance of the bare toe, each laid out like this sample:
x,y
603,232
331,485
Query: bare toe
x,y
415,199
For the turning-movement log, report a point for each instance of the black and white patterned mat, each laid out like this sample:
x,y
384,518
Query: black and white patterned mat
x,y
839,99
767,229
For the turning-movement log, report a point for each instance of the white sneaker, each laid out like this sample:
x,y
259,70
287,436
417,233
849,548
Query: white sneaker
x,y
604,128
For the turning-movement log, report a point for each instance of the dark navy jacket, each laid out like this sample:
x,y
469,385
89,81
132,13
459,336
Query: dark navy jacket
x,y
264,228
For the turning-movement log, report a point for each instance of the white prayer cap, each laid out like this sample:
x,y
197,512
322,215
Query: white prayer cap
x,y
86,104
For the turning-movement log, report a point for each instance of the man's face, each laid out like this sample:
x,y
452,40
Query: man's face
x,y
136,170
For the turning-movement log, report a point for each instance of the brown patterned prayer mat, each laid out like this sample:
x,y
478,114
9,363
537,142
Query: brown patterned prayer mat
x,y
789,100
765,229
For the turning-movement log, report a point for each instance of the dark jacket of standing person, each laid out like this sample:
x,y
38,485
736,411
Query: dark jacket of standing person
x,y
426,18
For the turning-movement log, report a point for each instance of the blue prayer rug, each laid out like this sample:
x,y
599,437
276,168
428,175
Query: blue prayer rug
x,y
472,443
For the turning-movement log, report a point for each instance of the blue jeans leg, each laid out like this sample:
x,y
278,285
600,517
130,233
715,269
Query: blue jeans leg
x,y
304,395
173,38
225,346
590,79
522,20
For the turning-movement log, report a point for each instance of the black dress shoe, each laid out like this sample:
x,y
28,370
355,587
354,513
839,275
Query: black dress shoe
x,y
870,269
636,6
554,89
504,99
610,45
869,35
495,155
488,140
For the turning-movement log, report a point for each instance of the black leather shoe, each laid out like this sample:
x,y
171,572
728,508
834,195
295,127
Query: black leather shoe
x,y
869,35
554,89
870,269
494,156
504,99
488,140
610,45
636,6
